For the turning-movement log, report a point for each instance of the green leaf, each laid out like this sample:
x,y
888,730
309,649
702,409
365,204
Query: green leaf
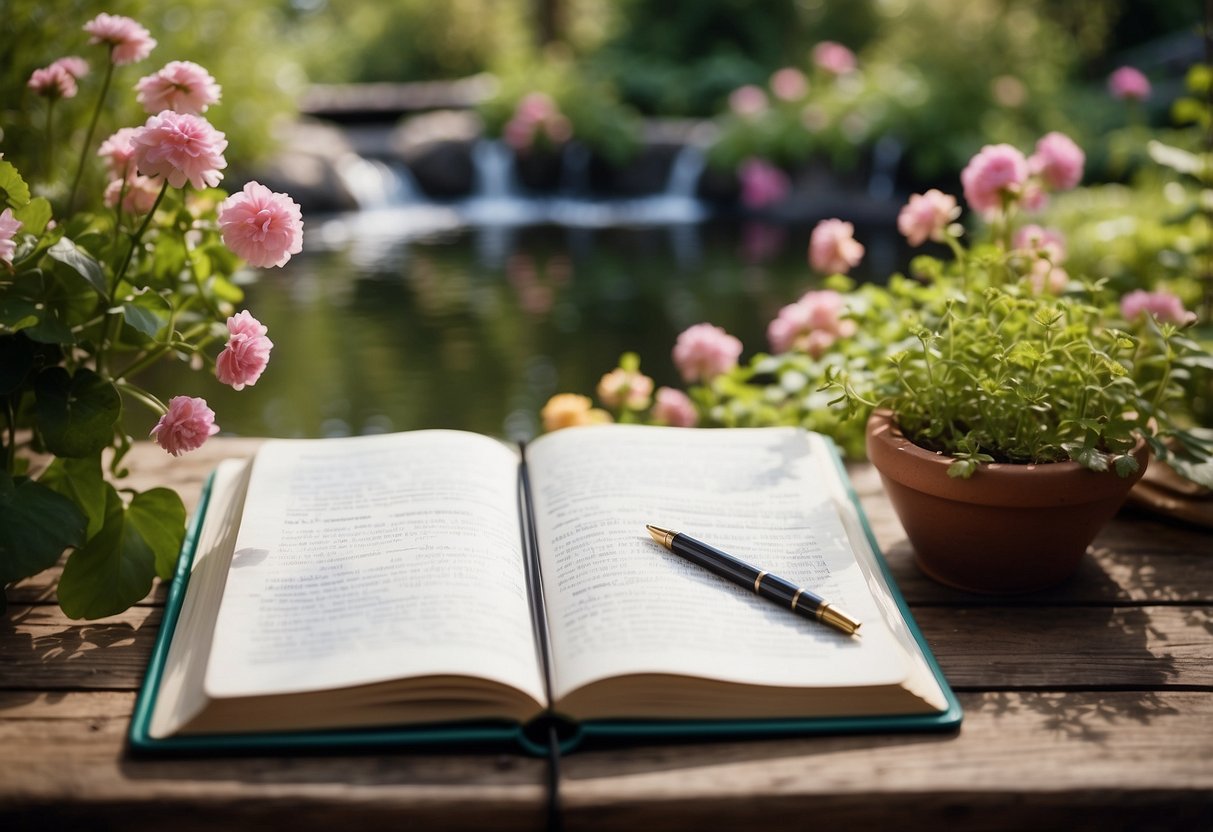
x,y
158,516
36,525
80,480
16,192
34,215
76,414
16,359
81,262
115,568
1126,465
17,314
147,312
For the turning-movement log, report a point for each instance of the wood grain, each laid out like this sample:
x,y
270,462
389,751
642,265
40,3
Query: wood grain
x,y
1070,751
982,648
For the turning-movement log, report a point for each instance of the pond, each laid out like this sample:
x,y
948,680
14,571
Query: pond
x,y
381,326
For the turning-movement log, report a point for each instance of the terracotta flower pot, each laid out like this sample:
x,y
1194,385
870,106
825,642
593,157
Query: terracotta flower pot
x,y
1006,529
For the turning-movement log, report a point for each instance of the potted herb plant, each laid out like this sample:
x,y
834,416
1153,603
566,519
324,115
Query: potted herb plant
x,y
1009,407
1010,422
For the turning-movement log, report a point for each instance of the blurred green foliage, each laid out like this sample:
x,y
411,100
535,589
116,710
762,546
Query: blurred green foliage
x,y
241,43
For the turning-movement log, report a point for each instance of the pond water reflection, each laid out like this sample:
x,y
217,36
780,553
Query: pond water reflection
x,y
474,328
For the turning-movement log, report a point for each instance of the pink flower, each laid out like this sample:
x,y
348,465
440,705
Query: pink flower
x,y
1033,196
263,227
748,101
181,147
762,183
76,66
118,150
138,194
9,226
247,353
927,216
811,324
789,84
703,352
181,86
996,173
833,57
1043,242
188,423
1058,161
1129,84
833,248
1164,306
625,388
673,407
1046,278
53,82
536,111
128,41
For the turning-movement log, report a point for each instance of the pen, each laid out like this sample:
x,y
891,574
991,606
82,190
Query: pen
x,y
772,587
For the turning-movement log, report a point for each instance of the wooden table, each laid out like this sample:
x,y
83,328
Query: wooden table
x,y
1089,706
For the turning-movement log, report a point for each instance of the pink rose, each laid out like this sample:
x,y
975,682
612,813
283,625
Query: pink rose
x,y
9,226
789,84
833,57
996,173
748,101
703,352
762,183
53,82
76,66
138,193
181,86
833,248
118,150
1128,84
263,227
927,216
1044,242
1164,306
535,107
181,147
1058,161
188,423
673,407
624,388
1046,278
128,41
811,324
247,353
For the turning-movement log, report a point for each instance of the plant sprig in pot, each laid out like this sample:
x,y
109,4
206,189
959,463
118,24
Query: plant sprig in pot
x,y
1010,422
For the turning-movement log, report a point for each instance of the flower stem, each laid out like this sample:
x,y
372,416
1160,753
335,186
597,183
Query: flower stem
x,y
92,128
50,139
138,235
143,397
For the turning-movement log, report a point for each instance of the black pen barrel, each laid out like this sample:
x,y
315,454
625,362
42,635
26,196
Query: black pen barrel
x,y
772,587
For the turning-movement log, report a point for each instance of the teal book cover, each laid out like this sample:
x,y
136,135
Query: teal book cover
x,y
534,736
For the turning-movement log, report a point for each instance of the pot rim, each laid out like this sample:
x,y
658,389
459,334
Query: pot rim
x,y
996,483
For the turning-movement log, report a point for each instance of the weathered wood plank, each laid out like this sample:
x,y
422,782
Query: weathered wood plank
x,y
996,648
41,649
65,767
1121,760
980,648
1021,761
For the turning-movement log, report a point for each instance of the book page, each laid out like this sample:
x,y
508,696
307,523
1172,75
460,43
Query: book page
x,y
620,604
373,558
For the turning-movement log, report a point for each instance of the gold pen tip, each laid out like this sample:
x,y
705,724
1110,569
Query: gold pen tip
x,y
839,620
661,536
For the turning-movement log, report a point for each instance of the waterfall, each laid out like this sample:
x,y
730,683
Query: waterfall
x,y
685,171
496,198
375,183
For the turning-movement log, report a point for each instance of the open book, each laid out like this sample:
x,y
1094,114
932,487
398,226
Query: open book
x,y
417,582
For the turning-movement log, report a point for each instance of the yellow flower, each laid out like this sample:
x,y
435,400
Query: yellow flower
x,y
568,410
